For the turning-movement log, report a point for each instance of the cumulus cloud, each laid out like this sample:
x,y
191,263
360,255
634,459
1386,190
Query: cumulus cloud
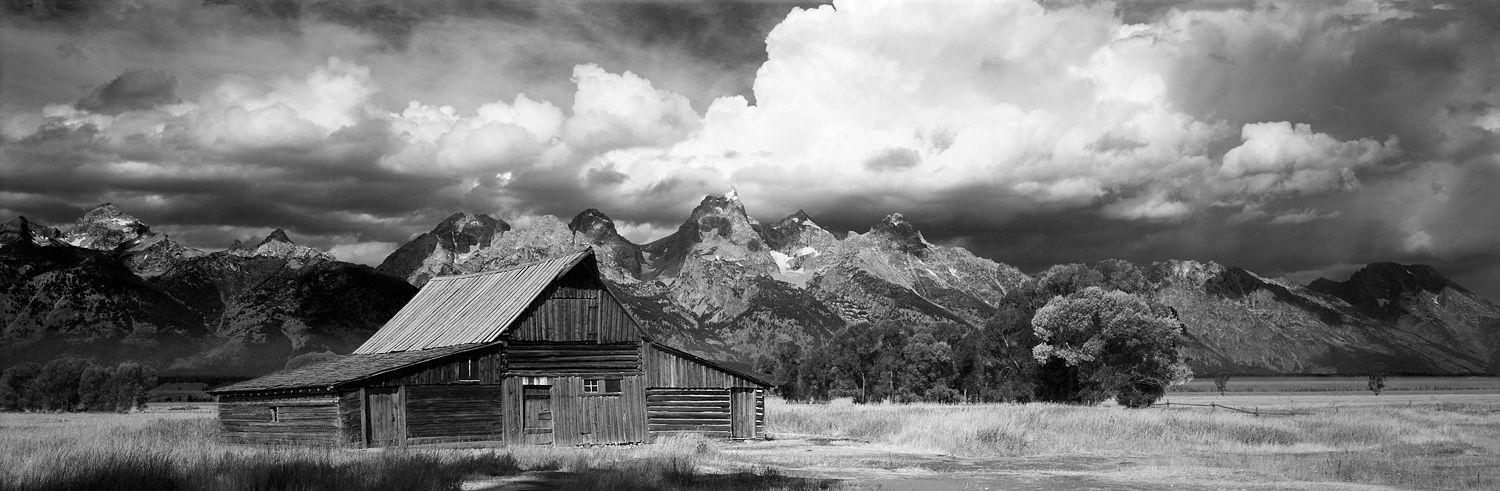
x,y
1279,158
1195,130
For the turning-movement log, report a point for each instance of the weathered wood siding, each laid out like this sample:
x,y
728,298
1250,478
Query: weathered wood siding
x,y
580,418
511,414
351,418
453,413
703,411
488,368
575,308
300,419
546,359
667,369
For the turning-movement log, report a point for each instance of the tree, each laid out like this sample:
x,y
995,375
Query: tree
x,y
131,381
57,384
1376,382
17,391
94,392
1096,343
1221,382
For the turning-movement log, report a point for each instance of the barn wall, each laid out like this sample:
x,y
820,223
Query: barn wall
x,y
704,411
489,365
351,418
301,419
452,413
666,369
598,418
544,359
575,308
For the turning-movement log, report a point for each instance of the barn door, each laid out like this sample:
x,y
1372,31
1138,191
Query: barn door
x,y
536,411
386,417
742,413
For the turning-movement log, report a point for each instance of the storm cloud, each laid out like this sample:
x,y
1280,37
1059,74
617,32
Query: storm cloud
x,y
1292,139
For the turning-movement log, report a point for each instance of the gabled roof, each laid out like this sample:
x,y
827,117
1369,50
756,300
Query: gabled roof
x,y
329,374
471,308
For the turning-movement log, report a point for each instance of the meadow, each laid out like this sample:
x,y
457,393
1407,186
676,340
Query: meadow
x,y
1424,441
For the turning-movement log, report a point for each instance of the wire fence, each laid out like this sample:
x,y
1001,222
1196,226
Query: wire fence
x,y
1253,411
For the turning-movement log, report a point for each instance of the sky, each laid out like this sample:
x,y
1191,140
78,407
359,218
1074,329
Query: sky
x,y
1296,139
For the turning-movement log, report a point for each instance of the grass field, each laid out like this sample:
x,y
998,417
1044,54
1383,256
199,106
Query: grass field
x,y
1415,440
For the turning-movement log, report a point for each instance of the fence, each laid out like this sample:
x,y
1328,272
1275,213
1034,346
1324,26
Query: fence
x,y
1254,411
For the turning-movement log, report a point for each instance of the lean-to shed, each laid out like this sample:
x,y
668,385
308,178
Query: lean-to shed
x,y
540,353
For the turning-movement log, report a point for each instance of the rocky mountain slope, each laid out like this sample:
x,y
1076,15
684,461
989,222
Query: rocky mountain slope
x,y
111,289
723,285
732,288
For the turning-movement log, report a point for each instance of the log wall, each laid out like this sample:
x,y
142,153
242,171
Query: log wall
x,y
546,359
300,419
453,413
577,307
704,411
667,369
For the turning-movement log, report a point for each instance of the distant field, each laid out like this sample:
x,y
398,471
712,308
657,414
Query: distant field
x,y
1342,439
1205,383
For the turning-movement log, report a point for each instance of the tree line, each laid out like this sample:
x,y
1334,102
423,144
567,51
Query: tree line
x,y
1075,334
75,384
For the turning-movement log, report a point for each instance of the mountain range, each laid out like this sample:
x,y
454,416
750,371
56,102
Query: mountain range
x,y
723,285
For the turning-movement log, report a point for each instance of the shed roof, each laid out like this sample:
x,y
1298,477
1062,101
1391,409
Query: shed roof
x,y
343,370
471,308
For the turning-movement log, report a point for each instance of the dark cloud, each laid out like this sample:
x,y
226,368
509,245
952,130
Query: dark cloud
x,y
1026,167
132,90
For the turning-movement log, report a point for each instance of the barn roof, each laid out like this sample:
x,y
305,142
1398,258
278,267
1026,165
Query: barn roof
x,y
471,308
344,370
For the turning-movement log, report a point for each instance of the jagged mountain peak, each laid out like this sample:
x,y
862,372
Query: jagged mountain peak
x,y
105,210
19,229
106,227
903,235
277,235
593,223
465,221
793,235
435,253
1383,289
278,245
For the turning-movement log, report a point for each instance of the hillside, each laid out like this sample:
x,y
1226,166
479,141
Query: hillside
x,y
110,289
723,285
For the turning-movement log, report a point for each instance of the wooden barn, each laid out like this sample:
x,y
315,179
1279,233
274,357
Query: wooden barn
x,y
541,353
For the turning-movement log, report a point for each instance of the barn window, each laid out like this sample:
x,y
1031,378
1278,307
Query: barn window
x,y
601,386
468,370
275,414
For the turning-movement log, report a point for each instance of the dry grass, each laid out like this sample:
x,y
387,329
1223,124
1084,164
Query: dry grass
x,y
1427,445
1447,446
179,451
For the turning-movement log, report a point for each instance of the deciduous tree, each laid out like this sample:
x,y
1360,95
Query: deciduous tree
x,y
1098,343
